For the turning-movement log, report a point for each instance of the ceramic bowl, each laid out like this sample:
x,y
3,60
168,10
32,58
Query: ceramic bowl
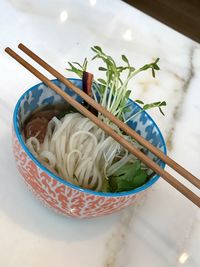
x,y
60,195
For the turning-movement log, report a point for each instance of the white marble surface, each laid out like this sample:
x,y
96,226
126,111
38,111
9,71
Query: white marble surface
x,y
163,230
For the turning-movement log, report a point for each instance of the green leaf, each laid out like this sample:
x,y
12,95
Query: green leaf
x,y
153,73
125,59
155,105
128,177
132,69
102,90
156,67
101,81
95,57
75,70
152,105
139,101
78,64
153,66
102,69
163,103
71,65
145,67
98,48
128,92
85,62
121,68
161,111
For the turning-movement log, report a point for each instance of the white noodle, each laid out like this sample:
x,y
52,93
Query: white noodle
x,y
33,145
48,157
78,151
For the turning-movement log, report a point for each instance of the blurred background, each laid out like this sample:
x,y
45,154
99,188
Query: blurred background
x,y
182,15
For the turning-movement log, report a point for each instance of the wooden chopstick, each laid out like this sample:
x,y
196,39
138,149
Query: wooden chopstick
x,y
151,164
170,162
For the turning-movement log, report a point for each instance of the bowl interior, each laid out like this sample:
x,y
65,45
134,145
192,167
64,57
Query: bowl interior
x,y
40,95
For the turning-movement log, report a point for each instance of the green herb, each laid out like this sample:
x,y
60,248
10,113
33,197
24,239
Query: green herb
x,y
155,104
128,177
113,91
105,186
79,69
158,104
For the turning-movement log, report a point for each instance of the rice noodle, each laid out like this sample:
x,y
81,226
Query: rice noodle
x,y
79,151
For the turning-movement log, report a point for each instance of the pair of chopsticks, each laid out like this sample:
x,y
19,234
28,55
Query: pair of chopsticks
x,y
144,158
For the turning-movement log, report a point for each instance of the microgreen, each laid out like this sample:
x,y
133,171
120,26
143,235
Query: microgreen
x,y
79,69
113,91
158,105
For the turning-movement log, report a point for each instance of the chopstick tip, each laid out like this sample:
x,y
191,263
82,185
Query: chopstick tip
x,y
7,49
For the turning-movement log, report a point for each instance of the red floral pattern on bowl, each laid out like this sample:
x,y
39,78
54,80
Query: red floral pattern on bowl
x,y
62,198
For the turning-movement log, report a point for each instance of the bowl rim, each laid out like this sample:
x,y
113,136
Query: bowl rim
x,y
62,181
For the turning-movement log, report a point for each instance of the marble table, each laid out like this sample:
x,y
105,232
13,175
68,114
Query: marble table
x,y
163,229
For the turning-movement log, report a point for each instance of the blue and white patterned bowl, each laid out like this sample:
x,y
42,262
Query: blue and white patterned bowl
x,y
60,195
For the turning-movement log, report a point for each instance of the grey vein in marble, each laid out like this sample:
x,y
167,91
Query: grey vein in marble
x,y
178,107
